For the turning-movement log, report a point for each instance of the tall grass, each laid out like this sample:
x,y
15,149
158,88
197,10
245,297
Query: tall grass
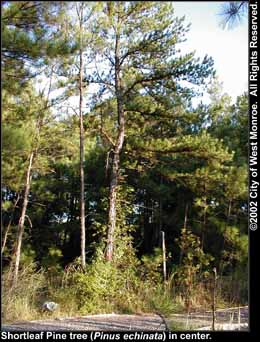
x,y
22,299
101,288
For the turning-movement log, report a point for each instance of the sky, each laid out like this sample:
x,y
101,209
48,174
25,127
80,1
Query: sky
x,y
228,47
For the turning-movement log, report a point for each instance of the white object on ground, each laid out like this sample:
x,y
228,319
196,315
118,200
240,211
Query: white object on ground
x,y
50,306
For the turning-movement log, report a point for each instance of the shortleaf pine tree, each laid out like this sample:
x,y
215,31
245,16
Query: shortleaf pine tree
x,y
137,49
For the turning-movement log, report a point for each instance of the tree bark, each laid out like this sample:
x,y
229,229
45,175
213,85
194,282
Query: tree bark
x,y
204,224
116,156
112,208
22,218
159,227
9,224
82,182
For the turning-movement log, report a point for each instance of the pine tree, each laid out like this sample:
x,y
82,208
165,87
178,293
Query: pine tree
x,y
78,30
137,47
32,115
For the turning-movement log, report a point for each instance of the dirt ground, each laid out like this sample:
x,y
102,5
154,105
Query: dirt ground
x,y
95,323
227,319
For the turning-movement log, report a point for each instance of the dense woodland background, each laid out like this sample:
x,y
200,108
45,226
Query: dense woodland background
x,y
103,149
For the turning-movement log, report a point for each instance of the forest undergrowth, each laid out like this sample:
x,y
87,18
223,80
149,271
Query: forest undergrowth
x,y
125,286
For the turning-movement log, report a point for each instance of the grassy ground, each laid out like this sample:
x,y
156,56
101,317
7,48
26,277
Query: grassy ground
x,y
101,289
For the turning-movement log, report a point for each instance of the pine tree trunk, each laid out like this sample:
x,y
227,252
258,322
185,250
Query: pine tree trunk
x,y
9,225
116,158
204,225
112,207
22,218
159,227
113,192
82,183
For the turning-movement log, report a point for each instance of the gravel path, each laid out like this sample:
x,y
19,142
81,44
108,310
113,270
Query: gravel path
x,y
94,323
226,319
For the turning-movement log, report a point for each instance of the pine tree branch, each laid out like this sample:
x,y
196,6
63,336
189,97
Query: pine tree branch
x,y
147,80
106,135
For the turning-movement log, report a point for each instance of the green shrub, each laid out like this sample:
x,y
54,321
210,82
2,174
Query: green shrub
x,y
125,285
103,286
151,268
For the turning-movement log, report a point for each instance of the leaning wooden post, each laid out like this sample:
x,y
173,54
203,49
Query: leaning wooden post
x,y
214,298
239,319
164,257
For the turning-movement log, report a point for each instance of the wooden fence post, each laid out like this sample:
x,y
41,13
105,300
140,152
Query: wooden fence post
x,y
164,257
214,298
239,319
